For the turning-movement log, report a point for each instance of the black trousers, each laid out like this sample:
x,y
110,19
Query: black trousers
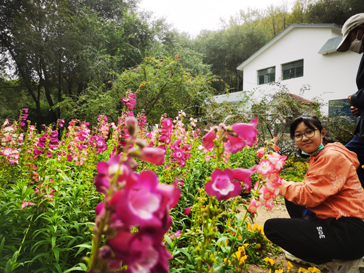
x,y
317,240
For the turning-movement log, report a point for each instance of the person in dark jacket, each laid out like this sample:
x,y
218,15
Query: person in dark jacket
x,y
353,40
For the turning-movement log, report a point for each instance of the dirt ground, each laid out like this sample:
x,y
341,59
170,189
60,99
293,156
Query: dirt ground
x,y
278,211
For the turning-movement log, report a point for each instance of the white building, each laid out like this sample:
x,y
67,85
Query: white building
x,y
303,57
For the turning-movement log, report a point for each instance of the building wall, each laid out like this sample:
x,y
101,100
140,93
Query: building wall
x,y
327,77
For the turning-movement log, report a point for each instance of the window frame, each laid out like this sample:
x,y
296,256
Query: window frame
x,y
293,73
267,77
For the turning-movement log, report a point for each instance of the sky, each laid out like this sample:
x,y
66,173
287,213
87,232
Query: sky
x,y
192,16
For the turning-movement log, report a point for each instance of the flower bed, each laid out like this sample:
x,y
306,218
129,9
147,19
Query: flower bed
x,y
119,198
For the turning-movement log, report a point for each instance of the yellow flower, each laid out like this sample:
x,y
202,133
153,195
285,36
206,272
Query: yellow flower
x,y
289,266
302,270
240,238
250,227
268,260
227,260
259,246
313,270
278,271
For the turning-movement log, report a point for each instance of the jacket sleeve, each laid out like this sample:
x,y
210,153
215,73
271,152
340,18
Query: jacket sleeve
x,y
324,178
357,99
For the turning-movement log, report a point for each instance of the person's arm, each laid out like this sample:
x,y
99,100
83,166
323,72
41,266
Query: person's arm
x,y
324,178
357,99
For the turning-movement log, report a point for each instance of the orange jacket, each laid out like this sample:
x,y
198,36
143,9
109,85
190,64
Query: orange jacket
x,y
331,187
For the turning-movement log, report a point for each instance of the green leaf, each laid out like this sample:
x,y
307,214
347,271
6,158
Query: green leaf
x,y
56,254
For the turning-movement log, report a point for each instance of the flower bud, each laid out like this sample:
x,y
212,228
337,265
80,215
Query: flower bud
x,y
131,124
141,143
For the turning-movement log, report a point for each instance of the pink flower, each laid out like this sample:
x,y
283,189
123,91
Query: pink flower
x,y
260,152
208,139
275,148
234,144
7,152
248,132
136,250
265,167
244,175
254,204
207,158
275,139
176,235
187,211
153,155
26,204
222,185
108,169
143,201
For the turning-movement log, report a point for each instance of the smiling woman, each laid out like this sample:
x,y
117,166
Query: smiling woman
x,y
326,208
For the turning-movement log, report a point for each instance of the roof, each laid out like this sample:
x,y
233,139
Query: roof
x,y
280,36
231,97
299,98
331,45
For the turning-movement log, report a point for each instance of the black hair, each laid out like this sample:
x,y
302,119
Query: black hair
x,y
311,122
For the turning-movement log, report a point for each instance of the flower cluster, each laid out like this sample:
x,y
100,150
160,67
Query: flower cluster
x,y
235,137
267,187
41,144
135,215
227,183
180,152
129,100
166,131
11,155
23,118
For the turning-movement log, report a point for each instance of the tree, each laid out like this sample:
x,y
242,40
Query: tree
x,y
59,46
161,85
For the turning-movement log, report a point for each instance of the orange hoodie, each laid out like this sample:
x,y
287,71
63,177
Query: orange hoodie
x,y
331,187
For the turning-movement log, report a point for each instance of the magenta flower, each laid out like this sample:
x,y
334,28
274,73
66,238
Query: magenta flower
x,y
142,202
136,250
208,139
187,211
176,235
244,175
222,185
234,144
247,131
108,169
153,155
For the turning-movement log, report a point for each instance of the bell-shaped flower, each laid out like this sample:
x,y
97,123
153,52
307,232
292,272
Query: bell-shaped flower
x,y
234,144
260,152
247,131
208,139
153,155
106,170
187,211
265,167
222,185
254,204
244,175
136,250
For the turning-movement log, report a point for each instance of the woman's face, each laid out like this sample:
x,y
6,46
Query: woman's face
x,y
308,144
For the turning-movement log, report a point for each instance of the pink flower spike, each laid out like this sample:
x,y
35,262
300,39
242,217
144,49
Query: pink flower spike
x,y
222,185
265,167
208,139
153,155
187,211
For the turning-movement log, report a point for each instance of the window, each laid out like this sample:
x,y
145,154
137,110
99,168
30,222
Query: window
x,y
267,75
292,70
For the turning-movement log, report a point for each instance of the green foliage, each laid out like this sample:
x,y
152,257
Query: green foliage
x,y
162,86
